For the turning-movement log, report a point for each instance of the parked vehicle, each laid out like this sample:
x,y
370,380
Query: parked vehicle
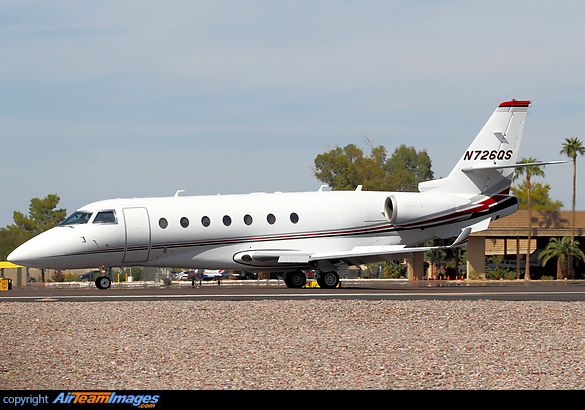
x,y
90,276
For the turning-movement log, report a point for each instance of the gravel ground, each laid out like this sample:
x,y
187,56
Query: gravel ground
x,y
310,344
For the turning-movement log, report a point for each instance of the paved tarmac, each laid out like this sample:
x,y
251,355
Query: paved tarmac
x,y
274,290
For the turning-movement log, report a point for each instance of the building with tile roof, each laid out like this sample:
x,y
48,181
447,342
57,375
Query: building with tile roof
x,y
505,236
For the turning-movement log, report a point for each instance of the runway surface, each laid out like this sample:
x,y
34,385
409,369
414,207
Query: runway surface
x,y
353,289
368,335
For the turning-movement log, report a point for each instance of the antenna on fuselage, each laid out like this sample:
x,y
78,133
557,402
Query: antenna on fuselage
x,y
178,191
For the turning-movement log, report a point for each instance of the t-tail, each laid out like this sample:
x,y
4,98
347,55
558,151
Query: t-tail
x,y
487,166
478,188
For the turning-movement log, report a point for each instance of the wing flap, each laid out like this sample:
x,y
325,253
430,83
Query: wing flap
x,y
386,252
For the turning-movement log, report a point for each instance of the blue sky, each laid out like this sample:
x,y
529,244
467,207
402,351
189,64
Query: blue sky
x,y
115,99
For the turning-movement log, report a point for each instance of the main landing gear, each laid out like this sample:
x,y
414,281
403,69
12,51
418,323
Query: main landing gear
x,y
104,281
328,280
325,280
296,279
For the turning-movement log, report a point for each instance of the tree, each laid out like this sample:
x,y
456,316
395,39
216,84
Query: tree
x,y
572,147
528,171
440,259
406,168
10,238
539,197
346,168
42,216
564,249
343,168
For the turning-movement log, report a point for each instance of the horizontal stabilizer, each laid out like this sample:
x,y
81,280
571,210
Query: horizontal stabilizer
x,y
488,167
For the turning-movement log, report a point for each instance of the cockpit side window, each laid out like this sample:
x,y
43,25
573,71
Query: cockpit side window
x,y
105,217
77,218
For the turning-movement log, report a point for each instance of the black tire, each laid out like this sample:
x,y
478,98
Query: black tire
x,y
103,282
295,280
328,280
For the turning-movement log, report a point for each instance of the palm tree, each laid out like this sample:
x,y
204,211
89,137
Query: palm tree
x,y
561,249
530,170
572,147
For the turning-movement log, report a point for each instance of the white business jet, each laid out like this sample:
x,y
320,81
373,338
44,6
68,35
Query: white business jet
x,y
292,232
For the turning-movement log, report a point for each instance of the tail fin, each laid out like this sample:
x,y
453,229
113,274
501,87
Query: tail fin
x,y
487,167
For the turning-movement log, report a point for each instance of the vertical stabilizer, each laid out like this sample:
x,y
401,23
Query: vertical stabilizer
x,y
481,169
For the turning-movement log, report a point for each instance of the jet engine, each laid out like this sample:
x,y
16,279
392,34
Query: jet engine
x,y
413,208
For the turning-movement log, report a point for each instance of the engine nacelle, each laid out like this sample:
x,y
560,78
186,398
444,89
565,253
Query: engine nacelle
x,y
411,208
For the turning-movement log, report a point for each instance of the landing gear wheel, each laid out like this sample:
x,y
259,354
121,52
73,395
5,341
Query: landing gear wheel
x,y
103,282
296,279
328,280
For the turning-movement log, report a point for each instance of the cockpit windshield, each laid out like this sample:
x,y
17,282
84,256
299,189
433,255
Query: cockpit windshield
x,y
105,217
77,218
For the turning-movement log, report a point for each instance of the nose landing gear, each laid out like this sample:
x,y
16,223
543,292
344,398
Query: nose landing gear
x,y
104,281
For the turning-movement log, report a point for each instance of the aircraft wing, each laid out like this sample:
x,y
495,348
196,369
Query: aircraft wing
x,y
357,255
360,254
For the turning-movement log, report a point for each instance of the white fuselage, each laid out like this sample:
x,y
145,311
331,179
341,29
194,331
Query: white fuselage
x,y
208,232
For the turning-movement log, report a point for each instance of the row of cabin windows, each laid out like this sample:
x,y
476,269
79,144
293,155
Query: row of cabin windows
x,y
227,220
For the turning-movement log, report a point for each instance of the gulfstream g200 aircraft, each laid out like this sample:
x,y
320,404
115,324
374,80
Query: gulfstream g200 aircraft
x,y
291,232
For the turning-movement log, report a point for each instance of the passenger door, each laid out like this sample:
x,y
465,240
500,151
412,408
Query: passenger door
x,y
137,235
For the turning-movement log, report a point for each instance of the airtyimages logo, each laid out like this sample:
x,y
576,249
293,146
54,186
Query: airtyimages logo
x,y
144,401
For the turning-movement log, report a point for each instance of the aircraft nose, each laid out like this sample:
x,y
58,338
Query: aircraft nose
x,y
23,255
19,256
34,252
